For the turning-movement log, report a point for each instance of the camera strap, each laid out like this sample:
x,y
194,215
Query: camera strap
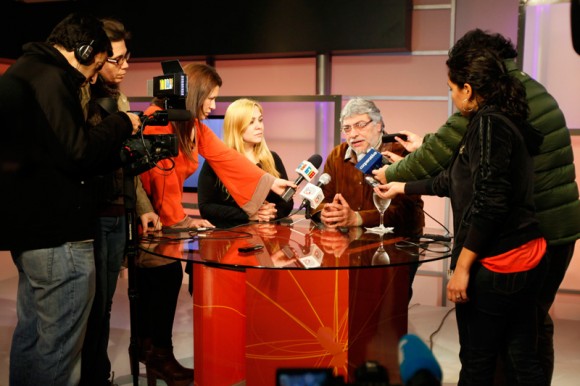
x,y
108,104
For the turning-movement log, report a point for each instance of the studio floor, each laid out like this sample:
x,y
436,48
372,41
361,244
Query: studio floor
x,y
424,320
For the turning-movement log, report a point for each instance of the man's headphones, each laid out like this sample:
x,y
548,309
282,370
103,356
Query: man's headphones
x,y
84,53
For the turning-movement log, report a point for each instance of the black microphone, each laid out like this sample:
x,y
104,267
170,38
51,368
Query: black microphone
x,y
312,196
306,170
391,137
162,117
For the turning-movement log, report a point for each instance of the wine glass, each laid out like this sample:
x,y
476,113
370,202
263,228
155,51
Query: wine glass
x,y
381,257
381,204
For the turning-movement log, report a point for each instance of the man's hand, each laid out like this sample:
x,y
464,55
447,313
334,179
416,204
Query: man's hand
x,y
150,222
333,241
338,213
136,121
412,143
393,157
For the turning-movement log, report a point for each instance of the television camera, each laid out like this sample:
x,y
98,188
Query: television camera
x,y
142,152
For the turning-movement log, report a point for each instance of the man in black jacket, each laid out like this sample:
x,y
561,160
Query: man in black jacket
x,y
47,159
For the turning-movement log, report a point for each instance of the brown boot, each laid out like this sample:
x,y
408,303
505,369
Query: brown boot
x,y
143,347
161,364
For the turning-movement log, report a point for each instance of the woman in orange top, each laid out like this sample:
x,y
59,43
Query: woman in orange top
x,y
248,184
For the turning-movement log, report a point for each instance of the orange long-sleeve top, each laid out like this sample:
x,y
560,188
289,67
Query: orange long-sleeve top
x,y
248,184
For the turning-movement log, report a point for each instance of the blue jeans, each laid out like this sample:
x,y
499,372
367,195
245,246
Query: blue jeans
x,y
55,292
500,316
109,253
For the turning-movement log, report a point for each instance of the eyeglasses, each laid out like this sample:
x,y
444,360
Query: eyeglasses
x,y
120,60
346,129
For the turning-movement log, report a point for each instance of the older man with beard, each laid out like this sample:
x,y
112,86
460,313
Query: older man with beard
x,y
348,198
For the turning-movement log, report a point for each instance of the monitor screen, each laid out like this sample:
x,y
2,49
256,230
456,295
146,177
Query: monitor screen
x,y
216,124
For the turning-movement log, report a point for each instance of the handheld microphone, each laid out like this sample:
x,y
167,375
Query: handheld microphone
x,y
306,171
417,364
312,193
371,161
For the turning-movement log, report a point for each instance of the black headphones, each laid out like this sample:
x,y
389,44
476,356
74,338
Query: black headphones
x,y
84,53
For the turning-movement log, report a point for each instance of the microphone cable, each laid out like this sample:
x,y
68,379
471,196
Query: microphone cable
x,y
212,234
432,336
447,233
441,242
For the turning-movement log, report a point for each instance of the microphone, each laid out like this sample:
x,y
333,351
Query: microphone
x,y
391,137
162,117
371,161
417,364
306,170
312,193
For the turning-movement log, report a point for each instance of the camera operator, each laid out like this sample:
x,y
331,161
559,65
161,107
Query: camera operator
x,y
110,241
47,161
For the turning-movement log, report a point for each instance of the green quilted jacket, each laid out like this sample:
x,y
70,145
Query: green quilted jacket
x,y
555,189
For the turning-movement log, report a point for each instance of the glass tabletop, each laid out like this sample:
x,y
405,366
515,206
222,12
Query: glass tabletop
x,y
301,244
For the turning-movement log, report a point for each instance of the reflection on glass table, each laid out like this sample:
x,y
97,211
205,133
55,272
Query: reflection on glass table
x,y
381,257
300,245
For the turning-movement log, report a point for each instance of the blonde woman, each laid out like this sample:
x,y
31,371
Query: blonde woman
x,y
244,132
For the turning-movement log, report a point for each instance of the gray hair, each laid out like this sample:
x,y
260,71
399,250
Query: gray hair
x,y
359,106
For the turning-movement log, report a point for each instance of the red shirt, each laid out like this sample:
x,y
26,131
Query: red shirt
x,y
520,259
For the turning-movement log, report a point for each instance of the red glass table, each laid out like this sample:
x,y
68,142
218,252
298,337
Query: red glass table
x,y
306,298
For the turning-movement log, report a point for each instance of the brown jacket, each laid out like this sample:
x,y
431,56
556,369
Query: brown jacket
x,y
405,213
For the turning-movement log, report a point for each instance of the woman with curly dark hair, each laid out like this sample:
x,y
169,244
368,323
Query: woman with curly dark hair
x,y
498,255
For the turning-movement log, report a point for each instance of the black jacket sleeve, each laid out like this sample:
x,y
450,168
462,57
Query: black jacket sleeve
x,y
215,203
283,208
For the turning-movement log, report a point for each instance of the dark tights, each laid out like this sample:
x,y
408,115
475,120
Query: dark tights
x,y
158,289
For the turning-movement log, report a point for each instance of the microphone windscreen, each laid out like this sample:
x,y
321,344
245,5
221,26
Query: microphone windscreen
x,y
416,359
324,179
315,160
178,115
